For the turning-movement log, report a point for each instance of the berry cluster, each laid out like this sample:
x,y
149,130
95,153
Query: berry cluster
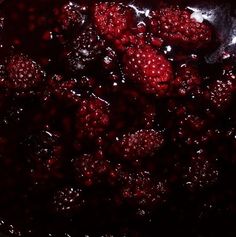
x,y
112,123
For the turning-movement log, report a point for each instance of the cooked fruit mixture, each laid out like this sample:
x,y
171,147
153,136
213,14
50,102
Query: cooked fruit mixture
x,y
117,119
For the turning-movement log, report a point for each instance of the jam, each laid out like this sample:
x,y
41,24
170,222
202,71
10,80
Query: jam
x,y
117,118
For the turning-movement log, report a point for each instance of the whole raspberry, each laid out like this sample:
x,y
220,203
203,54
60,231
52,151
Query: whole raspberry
x,y
21,73
68,201
112,19
71,15
176,26
143,192
201,172
83,49
92,118
151,70
220,93
141,144
91,169
186,80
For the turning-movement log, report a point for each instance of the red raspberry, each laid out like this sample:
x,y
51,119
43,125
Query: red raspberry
x,y
220,93
92,118
201,172
144,65
71,15
22,73
141,144
68,201
186,80
143,192
90,169
112,19
176,26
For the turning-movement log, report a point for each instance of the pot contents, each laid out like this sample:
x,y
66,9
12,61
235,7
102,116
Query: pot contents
x,y
117,119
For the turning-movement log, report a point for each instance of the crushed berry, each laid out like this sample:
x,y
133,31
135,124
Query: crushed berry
x,y
143,191
43,154
186,80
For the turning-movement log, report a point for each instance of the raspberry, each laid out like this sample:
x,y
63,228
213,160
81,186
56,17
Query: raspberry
x,y
90,169
112,19
176,27
146,66
141,144
186,80
22,73
71,15
68,201
43,152
92,118
201,172
220,93
83,49
143,192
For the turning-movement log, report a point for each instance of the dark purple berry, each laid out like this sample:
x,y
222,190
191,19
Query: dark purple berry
x,y
83,49
68,201
201,172
91,169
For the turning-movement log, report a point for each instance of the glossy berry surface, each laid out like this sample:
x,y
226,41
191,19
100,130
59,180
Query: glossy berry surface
x,y
84,48
179,27
141,144
92,118
117,118
147,67
67,200
112,19
21,73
